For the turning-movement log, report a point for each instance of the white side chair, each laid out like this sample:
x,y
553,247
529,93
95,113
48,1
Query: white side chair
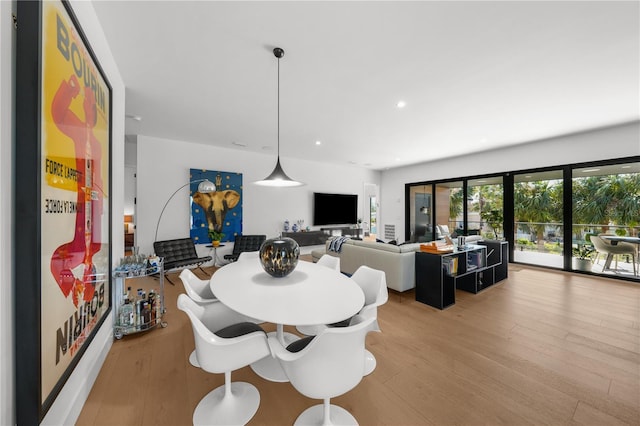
x,y
373,283
197,288
200,292
332,262
326,366
229,348
215,316
248,255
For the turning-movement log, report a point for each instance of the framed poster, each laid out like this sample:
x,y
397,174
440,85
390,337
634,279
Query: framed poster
x,y
62,240
220,210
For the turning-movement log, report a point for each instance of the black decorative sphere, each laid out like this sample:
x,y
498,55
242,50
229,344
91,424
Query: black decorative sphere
x,y
279,256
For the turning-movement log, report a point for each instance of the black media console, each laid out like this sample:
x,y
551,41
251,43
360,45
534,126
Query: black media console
x,y
307,238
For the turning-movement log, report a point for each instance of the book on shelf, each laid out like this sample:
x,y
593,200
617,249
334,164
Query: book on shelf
x,y
475,260
450,265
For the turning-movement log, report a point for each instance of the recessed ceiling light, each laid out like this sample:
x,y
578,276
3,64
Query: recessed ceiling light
x,y
401,104
589,170
318,142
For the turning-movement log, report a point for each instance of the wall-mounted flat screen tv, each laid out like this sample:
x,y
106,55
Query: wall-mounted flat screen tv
x,y
334,209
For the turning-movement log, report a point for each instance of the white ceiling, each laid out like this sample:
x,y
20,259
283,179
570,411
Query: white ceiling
x,y
474,75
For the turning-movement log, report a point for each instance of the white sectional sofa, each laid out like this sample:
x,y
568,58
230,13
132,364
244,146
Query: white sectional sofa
x,y
398,262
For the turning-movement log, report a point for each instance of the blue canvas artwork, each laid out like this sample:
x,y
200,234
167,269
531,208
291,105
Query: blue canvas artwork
x,y
220,210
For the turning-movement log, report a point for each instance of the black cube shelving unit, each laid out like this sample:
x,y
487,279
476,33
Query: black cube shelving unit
x,y
472,269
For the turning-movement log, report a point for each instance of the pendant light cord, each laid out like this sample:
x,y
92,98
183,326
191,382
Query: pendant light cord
x,y
278,109
278,177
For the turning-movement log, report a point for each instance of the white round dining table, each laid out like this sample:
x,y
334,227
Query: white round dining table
x,y
311,294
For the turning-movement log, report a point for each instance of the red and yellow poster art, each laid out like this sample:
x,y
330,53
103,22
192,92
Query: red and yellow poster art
x,y
75,204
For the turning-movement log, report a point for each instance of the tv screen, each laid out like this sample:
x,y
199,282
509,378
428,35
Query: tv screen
x,y
334,209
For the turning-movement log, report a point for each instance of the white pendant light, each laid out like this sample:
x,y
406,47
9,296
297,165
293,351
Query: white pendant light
x,y
278,177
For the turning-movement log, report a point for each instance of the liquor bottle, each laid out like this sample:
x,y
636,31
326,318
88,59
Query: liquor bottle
x,y
146,314
139,317
126,313
153,299
158,306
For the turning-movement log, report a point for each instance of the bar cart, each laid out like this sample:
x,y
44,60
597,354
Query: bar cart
x,y
138,307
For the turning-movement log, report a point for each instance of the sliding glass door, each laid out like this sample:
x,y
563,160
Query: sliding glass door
x,y
449,209
580,217
485,211
538,218
606,219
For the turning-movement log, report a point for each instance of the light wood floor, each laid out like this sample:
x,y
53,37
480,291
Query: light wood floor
x,y
542,347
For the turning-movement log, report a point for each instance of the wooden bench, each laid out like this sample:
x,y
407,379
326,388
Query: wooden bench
x,y
179,253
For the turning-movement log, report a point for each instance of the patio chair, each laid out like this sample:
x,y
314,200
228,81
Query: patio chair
x,y
604,246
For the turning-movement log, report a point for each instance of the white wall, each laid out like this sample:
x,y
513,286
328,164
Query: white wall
x,y
163,166
69,402
7,50
129,175
608,143
129,189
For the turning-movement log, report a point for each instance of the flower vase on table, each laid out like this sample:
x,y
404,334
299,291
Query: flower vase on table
x,y
216,237
279,256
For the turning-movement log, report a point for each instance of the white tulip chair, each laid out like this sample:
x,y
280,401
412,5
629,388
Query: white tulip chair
x,y
324,367
331,262
373,283
229,348
197,288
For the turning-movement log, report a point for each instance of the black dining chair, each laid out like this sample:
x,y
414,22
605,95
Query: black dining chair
x,y
244,243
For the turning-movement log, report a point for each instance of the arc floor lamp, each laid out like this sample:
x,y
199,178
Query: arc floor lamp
x,y
205,187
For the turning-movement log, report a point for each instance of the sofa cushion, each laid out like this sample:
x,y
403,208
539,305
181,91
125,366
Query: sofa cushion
x,y
378,246
409,247
396,261
473,239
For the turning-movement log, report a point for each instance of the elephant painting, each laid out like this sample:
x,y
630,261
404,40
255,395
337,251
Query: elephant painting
x,y
216,205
